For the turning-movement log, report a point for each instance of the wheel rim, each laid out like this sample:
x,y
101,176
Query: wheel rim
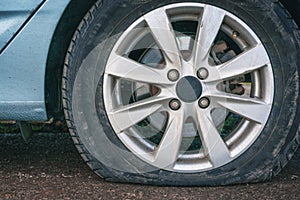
x,y
177,98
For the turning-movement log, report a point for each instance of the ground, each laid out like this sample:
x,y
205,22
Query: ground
x,y
49,167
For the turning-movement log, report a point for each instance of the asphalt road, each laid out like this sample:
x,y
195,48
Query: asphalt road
x,y
50,168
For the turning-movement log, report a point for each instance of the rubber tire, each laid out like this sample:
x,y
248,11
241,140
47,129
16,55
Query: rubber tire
x,y
108,157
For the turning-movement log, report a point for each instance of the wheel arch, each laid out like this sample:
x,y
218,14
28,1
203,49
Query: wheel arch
x,y
61,39
293,6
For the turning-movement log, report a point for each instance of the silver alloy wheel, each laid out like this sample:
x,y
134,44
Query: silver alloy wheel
x,y
159,107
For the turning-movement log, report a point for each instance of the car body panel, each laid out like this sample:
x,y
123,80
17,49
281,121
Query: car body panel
x,y
13,14
23,65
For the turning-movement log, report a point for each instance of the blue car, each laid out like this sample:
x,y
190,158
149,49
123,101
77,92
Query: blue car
x,y
173,92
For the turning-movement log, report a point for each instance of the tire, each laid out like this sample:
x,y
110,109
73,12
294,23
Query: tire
x,y
176,128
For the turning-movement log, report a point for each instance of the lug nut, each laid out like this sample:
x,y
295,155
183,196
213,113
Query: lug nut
x,y
175,104
173,75
204,102
202,73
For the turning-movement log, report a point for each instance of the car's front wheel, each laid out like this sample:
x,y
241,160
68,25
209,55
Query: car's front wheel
x,y
184,92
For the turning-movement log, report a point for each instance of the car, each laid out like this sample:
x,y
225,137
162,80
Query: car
x,y
173,92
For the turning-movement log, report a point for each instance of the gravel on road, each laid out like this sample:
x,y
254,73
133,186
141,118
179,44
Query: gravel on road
x,y
49,167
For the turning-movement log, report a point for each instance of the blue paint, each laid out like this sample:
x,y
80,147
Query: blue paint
x,y
22,111
13,15
23,63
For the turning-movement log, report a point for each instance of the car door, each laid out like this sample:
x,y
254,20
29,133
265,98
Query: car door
x,y
13,15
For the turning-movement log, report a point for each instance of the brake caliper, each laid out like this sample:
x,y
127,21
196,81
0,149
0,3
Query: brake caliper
x,y
221,53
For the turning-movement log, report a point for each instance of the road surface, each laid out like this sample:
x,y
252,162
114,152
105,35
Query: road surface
x,y
50,168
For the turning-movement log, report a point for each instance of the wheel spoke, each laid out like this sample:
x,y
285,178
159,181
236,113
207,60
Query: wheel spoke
x,y
129,115
167,151
246,62
252,109
163,33
174,117
131,70
214,145
208,29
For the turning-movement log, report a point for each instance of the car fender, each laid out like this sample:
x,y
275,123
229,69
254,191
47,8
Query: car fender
x,y
23,65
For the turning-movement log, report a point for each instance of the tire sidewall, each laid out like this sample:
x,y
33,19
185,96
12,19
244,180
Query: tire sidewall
x,y
93,50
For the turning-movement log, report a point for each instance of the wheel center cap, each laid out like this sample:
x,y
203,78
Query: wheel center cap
x,y
189,89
